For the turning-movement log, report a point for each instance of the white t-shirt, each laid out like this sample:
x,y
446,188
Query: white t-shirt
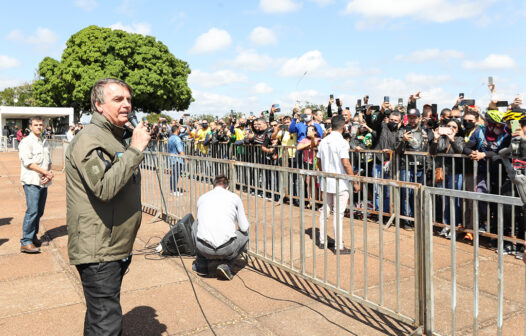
x,y
332,149
217,213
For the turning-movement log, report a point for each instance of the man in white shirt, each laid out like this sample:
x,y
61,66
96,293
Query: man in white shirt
x,y
69,133
333,157
36,176
216,237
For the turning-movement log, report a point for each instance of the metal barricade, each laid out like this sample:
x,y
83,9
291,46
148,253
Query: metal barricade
x,y
57,150
476,300
375,274
3,143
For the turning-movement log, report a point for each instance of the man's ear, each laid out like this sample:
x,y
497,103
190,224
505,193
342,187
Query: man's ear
x,y
98,106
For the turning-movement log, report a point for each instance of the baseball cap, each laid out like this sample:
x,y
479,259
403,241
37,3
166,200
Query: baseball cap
x,y
413,112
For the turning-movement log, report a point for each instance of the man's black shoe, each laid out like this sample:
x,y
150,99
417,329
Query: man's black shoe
x,y
344,250
200,269
223,272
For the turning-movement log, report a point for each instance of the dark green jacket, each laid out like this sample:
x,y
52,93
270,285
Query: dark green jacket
x,y
103,193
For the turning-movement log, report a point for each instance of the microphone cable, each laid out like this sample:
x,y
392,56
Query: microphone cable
x,y
173,235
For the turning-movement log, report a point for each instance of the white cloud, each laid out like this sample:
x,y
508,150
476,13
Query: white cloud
x,y
218,78
492,62
208,102
143,28
428,10
87,5
434,54
213,40
42,39
314,65
278,6
262,88
7,62
308,62
263,36
250,60
323,3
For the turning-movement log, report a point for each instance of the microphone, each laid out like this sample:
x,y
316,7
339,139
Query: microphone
x,y
132,118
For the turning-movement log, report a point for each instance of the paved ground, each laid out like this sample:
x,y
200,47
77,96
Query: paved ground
x,y
41,294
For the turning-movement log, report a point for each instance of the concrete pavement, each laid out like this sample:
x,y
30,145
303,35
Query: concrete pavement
x,y
42,295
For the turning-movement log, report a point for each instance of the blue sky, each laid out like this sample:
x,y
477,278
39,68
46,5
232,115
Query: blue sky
x,y
247,55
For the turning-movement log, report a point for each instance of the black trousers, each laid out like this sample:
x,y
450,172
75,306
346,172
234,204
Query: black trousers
x,y
102,290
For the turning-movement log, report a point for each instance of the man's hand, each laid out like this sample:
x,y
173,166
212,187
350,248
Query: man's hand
x,y
518,133
356,186
386,106
517,102
140,137
366,100
331,100
491,88
477,156
407,136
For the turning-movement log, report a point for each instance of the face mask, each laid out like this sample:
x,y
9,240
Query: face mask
x,y
204,126
457,120
308,118
468,124
393,126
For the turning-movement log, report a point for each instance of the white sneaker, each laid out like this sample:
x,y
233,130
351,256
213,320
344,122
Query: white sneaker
x,y
444,232
175,193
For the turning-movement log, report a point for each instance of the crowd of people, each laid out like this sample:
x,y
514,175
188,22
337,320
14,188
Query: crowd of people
x,y
377,133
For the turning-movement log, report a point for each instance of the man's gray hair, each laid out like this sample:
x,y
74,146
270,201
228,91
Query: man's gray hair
x,y
97,91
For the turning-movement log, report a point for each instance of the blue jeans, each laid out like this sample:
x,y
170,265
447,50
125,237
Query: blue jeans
x,y
456,202
174,176
409,176
377,173
36,201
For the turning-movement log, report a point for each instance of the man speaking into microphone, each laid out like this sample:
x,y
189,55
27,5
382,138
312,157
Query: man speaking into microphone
x,y
104,203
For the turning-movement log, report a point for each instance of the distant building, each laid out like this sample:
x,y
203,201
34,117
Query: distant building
x,y
57,117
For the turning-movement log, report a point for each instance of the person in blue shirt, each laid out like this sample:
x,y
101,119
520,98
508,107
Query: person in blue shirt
x,y
301,127
175,146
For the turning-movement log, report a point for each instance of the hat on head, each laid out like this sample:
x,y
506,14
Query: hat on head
x,y
413,112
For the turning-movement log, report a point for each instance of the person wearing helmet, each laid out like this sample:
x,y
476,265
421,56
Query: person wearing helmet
x,y
495,138
519,164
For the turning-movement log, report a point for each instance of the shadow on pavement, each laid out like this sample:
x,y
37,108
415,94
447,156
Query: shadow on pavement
x,y
56,232
3,240
141,321
345,306
5,221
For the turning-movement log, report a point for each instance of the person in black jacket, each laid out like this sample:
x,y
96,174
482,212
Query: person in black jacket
x,y
411,138
386,126
450,143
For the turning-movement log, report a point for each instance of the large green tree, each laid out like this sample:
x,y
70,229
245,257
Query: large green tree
x,y
159,80
21,95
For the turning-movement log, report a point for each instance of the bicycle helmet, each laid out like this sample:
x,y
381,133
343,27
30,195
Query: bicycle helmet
x,y
495,116
514,114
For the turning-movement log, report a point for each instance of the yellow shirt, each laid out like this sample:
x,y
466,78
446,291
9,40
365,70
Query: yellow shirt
x,y
240,135
289,140
199,137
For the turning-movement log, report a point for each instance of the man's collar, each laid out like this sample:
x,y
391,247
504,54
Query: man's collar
x,y
101,121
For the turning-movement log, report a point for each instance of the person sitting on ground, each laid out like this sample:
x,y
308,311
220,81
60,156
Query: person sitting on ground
x,y
215,234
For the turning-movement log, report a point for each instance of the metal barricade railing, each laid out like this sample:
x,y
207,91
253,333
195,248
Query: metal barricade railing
x,y
57,150
397,274
478,298
286,235
3,144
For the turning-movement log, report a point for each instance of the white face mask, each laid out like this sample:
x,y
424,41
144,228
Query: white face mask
x,y
308,118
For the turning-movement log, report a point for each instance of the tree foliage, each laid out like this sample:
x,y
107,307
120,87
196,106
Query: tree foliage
x,y
154,117
18,96
159,80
